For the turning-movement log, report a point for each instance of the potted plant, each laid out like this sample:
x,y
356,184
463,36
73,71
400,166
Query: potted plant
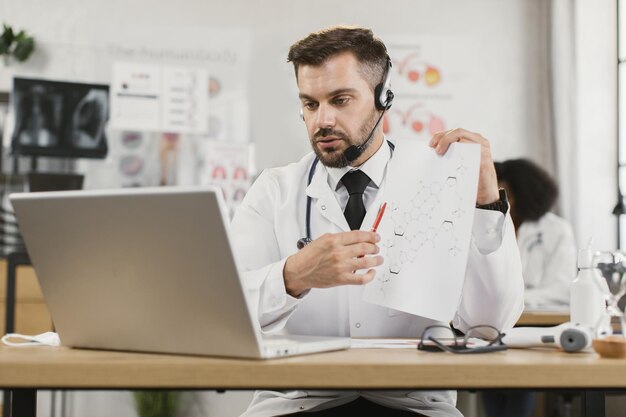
x,y
156,403
15,45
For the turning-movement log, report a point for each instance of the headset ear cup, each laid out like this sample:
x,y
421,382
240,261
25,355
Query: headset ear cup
x,y
383,96
378,91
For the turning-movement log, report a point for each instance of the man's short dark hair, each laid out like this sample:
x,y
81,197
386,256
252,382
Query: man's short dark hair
x,y
318,47
533,189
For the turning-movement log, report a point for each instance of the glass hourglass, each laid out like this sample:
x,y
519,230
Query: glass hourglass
x,y
610,276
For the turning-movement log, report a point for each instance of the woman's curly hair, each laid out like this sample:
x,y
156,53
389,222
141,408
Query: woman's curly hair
x,y
532,188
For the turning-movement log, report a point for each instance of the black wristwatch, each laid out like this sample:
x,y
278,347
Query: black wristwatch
x,y
501,205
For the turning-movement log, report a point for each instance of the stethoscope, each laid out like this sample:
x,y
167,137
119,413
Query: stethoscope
x,y
538,240
302,242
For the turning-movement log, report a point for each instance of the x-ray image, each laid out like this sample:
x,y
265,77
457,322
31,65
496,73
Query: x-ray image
x,y
56,118
88,120
38,117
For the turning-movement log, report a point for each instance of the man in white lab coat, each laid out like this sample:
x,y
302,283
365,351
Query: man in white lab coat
x,y
343,79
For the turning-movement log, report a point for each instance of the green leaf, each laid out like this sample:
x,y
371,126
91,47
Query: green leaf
x,y
24,48
6,39
155,403
7,33
4,47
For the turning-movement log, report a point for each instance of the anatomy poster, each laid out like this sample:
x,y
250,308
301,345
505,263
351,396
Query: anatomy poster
x,y
426,229
431,89
216,63
227,165
200,74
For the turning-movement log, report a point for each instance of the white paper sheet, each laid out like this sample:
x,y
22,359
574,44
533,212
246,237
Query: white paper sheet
x,y
136,97
426,229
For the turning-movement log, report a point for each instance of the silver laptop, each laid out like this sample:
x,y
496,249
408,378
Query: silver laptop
x,y
146,269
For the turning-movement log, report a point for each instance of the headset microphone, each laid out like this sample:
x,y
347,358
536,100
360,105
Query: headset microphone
x,y
383,97
353,152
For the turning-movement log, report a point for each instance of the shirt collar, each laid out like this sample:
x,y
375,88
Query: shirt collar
x,y
374,167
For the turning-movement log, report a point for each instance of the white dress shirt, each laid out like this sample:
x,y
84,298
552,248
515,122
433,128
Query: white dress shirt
x,y
266,228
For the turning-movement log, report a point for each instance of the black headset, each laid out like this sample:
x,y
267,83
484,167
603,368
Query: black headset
x,y
383,96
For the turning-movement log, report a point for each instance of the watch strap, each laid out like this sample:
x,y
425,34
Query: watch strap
x,y
502,205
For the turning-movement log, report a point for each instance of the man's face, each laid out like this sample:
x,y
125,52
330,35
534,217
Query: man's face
x,y
338,109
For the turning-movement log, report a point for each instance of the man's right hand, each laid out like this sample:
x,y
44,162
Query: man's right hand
x,y
333,259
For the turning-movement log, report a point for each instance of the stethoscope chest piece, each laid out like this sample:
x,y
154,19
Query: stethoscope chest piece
x,y
303,242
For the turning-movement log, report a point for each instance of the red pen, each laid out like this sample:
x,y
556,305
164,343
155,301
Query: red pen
x,y
379,216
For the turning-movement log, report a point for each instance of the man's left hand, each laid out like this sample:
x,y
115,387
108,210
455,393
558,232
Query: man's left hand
x,y
487,180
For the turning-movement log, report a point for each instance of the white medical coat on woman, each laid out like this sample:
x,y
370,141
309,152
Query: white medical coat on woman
x,y
266,228
548,252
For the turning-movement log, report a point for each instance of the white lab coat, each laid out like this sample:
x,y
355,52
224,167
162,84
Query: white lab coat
x,y
266,227
548,251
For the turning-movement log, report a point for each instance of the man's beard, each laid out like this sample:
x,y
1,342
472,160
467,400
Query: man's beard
x,y
335,158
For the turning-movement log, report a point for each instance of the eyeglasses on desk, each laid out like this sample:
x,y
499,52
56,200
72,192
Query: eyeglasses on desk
x,y
477,339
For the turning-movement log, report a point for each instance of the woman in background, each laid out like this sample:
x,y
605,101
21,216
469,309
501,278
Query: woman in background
x,y
546,241
548,253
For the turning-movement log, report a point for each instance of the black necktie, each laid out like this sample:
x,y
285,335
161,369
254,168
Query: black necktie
x,y
355,182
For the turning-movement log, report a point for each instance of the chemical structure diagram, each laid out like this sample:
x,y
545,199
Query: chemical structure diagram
x,y
425,223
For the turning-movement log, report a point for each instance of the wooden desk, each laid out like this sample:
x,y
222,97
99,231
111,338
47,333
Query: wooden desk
x,y
542,318
23,370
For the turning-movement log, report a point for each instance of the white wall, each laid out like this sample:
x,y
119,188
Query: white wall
x,y
68,30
